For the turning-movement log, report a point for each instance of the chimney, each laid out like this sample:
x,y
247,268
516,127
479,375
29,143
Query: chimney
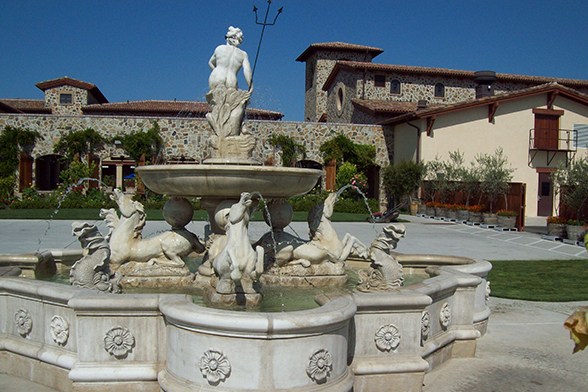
x,y
484,83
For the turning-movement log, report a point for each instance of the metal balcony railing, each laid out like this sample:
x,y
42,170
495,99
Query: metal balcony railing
x,y
553,139
552,142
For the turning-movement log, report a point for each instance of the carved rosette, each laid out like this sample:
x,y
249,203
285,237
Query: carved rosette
x,y
445,315
118,342
59,330
425,325
387,338
319,366
214,366
488,291
23,322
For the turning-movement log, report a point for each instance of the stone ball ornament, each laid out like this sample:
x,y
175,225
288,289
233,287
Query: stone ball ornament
x,y
178,212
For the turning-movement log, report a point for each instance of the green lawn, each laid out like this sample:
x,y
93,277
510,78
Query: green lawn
x,y
92,214
540,280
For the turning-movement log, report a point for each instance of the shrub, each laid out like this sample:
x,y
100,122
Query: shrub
x,y
506,213
402,179
557,220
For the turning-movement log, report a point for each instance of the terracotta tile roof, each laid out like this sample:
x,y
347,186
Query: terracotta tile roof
x,y
168,108
67,81
338,46
453,73
25,105
553,87
384,107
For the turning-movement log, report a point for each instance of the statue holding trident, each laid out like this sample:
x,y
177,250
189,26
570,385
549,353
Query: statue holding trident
x,y
227,102
227,60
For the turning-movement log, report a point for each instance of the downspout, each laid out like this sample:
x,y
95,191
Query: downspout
x,y
418,146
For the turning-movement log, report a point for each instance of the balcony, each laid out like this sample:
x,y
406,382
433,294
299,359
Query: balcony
x,y
551,143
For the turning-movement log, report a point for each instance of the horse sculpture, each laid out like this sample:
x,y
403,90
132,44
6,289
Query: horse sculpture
x,y
324,244
127,243
238,263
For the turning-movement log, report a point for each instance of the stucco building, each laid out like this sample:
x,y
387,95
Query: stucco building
x,y
425,113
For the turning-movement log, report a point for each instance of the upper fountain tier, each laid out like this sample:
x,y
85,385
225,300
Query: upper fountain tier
x,y
228,181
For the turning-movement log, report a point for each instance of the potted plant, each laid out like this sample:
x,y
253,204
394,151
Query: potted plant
x,y
506,218
572,185
495,174
575,229
401,181
556,226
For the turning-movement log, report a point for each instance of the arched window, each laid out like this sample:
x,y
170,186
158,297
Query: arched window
x,y
439,90
395,87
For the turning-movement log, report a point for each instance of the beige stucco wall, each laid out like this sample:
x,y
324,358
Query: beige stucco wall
x,y
470,132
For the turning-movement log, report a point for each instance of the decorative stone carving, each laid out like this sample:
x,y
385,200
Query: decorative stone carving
x,y
324,244
425,325
59,330
227,102
319,366
118,342
127,244
386,272
214,366
387,338
92,270
237,263
23,321
488,291
445,315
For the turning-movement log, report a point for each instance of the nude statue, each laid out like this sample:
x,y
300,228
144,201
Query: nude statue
x,y
227,60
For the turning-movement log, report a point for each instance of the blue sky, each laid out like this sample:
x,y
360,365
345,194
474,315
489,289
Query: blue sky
x,y
148,49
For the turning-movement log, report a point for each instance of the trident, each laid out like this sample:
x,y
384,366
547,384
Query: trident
x,y
264,24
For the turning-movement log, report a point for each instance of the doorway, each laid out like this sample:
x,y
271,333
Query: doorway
x,y
545,195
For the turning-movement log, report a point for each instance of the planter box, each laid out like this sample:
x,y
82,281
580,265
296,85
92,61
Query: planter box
x,y
463,215
489,218
430,211
452,214
556,230
475,217
508,222
575,233
422,209
441,212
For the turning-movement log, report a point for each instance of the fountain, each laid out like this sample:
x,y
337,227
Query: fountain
x,y
89,337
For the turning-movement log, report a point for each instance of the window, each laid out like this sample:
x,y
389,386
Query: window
x,y
581,139
380,80
395,87
340,100
439,90
65,99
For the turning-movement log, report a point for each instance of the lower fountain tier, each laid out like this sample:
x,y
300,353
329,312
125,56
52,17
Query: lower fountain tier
x,y
228,181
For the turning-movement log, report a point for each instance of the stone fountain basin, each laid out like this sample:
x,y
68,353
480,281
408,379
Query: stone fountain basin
x,y
228,181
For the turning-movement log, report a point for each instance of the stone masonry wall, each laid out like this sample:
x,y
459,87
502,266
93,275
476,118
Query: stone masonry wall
x,y
191,137
319,67
79,99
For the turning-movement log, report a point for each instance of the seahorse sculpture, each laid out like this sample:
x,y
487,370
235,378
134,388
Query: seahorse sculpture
x,y
92,270
385,271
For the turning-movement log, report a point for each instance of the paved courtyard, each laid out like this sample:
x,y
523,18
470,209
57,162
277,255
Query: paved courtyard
x,y
526,347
